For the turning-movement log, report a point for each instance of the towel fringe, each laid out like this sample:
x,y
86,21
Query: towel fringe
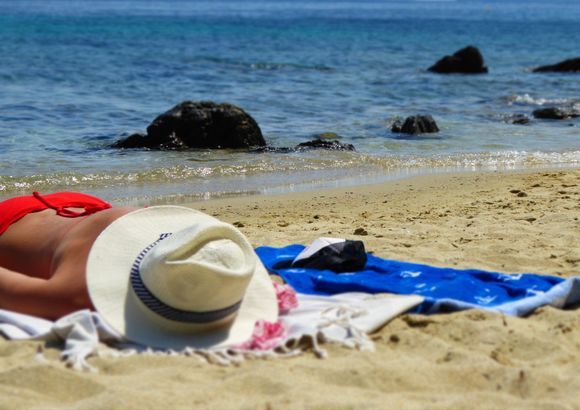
x,y
342,316
336,328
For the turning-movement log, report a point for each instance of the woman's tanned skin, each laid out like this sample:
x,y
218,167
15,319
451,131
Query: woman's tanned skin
x,y
43,260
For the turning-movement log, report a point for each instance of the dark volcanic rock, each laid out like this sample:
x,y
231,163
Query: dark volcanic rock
x,y
555,113
325,144
566,66
199,125
417,124
468,60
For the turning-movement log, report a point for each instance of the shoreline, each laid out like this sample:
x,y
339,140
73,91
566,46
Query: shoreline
x,y
376,177
183,183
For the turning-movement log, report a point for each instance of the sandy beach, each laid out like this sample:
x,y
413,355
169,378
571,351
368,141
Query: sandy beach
x,y
512,222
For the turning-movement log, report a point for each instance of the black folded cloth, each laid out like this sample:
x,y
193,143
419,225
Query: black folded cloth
x,y
338,255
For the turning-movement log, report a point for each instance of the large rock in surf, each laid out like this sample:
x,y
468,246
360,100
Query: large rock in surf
x,y
566,66
199,125
417,124
468,60
555,113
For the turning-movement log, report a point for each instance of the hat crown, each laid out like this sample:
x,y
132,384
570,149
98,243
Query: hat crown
x,y
202,268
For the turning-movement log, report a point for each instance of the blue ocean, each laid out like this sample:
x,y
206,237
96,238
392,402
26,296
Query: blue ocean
x,y
78,75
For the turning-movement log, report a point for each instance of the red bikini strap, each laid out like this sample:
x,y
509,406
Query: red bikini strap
x,y
60,210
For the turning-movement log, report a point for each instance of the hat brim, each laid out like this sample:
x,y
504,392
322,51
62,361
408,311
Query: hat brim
x,y
108,270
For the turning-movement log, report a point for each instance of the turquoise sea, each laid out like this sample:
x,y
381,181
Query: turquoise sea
x,y
76,76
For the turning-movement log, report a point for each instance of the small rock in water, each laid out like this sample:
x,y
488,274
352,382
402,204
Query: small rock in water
x,y
566,66
332,145
554,113
417,124
520,119
468,60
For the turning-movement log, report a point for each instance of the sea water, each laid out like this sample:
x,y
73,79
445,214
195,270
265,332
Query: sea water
x,y
78,75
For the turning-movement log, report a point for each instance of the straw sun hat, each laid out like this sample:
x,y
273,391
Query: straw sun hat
x,y
173,277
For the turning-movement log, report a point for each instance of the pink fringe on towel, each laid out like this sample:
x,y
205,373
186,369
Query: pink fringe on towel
x,y
287,299
268,335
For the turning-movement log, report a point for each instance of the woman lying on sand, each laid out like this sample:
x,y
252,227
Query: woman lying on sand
x,y
164,276
44,245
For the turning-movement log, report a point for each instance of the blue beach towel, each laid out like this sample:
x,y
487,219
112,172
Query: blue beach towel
x,y
444,289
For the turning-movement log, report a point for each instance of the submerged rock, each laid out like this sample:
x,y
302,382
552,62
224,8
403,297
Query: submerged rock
x,y
555,113
566,66
520,119
417,124
277,150
202,124
318,143
468,60
331,145
326,135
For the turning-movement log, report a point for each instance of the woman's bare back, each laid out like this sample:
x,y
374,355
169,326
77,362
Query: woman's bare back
x,y
43,258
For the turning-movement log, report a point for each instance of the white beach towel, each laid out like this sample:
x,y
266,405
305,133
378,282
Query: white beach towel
x,y
344,319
